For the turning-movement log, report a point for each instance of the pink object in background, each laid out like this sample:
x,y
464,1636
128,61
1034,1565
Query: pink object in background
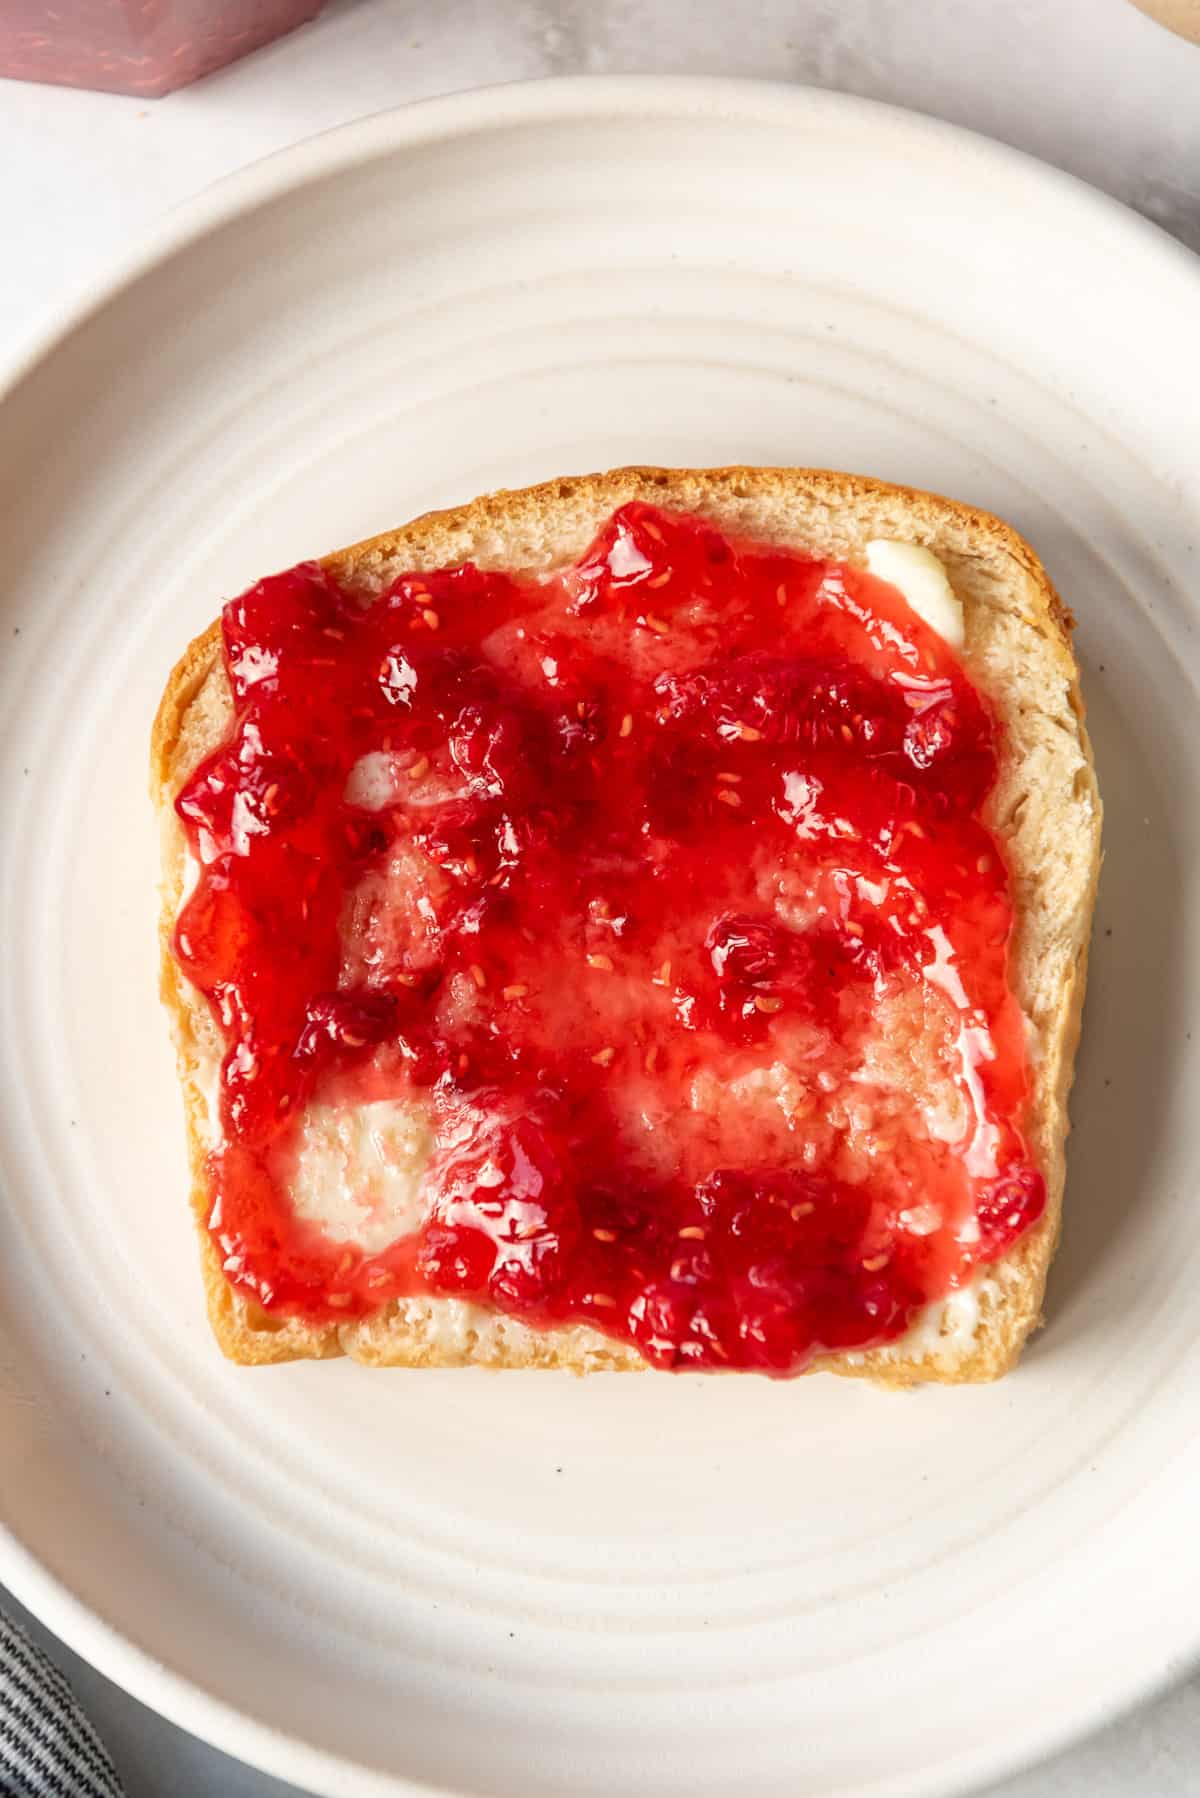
x,y
137,46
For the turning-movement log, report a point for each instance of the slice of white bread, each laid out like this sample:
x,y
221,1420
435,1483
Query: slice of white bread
x,y
1045,810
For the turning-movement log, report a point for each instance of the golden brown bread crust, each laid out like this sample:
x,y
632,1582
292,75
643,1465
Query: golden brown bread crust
x,y
1045,811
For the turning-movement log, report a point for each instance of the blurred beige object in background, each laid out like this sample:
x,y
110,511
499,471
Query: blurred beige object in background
x,y
1182,16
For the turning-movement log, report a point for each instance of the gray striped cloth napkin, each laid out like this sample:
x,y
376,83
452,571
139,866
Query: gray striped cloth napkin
x,y
48,1749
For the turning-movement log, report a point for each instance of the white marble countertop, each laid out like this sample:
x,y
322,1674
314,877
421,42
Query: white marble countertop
x,y
1088,84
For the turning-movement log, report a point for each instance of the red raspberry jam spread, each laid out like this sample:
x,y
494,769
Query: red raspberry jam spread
x,y
661,882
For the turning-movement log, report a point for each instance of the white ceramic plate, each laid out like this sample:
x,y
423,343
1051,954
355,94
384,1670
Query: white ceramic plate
x,y
526,1585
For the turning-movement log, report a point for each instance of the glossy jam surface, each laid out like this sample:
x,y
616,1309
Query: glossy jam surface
x,y
660,886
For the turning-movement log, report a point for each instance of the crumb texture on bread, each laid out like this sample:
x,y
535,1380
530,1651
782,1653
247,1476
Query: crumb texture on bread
x,y
1045,811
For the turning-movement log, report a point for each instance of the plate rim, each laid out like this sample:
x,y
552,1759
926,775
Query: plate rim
x,y
562,100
